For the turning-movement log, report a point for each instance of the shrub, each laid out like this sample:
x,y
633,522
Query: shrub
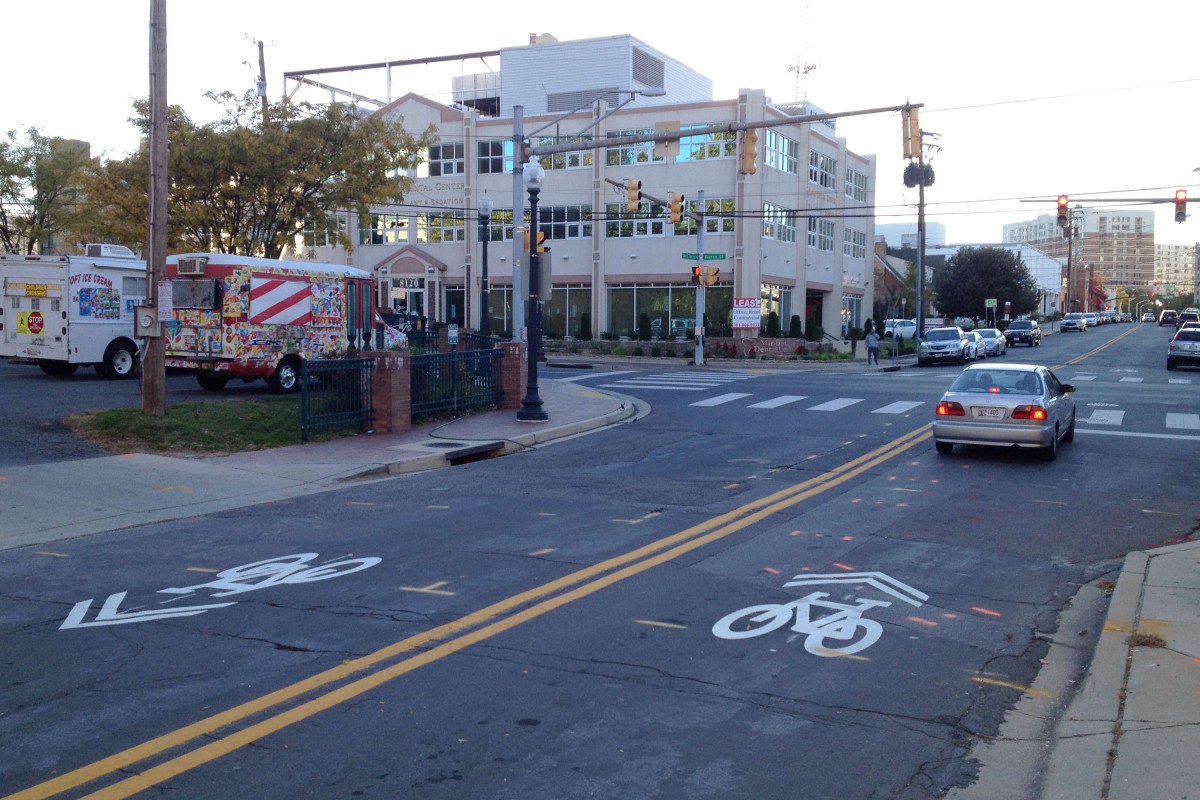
x,y
637,351
815,332
620,350
585,326
773,330
794,327
644,330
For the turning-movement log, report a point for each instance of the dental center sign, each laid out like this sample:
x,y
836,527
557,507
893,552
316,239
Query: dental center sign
x,y
747,312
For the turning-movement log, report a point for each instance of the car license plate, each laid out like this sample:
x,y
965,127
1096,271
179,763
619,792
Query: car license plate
x,y
986,412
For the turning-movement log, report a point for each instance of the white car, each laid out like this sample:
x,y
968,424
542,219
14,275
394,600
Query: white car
x,y
995,344
900,328
977,345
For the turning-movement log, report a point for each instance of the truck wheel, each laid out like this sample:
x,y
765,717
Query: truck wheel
x,y
58,369
211,381
120,361
287,376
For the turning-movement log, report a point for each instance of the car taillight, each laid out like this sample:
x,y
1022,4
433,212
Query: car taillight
x,y
1033,412
948,408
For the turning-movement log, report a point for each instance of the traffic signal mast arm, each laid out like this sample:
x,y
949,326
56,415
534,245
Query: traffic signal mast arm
x,y
670,136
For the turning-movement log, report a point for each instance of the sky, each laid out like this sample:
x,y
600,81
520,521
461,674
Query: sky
x,y
1029,100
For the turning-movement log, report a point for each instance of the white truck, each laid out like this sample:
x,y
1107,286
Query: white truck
x,y
61,312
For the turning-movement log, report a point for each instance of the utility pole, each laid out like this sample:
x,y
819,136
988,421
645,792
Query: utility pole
x,y
703,287
518,303
154,376
262,82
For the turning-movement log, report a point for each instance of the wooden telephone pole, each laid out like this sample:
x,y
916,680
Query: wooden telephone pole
x,y
154,378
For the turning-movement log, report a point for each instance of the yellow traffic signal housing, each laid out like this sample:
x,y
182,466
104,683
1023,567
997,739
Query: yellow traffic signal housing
x,y
1180,205
1064,214
676,208
749,151
633,196
541,238
710,275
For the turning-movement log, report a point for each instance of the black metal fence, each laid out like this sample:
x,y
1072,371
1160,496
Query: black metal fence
x,y
454,383
335,395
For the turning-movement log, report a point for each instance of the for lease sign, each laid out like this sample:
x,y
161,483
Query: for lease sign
x,y
747,312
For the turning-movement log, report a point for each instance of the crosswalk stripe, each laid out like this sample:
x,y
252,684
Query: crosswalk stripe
x,y
776,402
628,385
1077,378
1105,417
1179,380
1186,421
1132,380
836,405
899,407
721,398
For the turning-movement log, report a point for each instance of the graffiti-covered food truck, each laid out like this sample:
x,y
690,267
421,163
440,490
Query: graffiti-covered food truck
x,y
63,312
248,318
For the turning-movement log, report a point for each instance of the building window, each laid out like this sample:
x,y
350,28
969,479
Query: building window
x,y
780,152
435,227
820,234
576,159
382,229
565,222
630,154
325,234
706,146
495,156
720,214
821,169
856,185
443,159
779,223
620,226
854,243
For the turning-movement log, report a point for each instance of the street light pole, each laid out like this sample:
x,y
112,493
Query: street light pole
x,y
531,405
485,223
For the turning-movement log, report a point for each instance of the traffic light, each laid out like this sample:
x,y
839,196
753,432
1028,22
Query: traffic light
x,y
1180,205
710,275
749,151
676,208
911,133
696,276
1064,214
541,238
633,196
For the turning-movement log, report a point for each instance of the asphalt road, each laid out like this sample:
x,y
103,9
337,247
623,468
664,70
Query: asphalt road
x,y
564,622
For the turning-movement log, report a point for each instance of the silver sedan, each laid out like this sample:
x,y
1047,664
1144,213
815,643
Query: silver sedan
x,y
1015,405
994,342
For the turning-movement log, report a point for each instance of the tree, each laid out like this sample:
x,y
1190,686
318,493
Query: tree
x,y
238,186
39,187
974,275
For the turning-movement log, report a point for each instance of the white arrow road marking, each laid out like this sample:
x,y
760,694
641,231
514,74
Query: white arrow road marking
x,y
882,582
110,613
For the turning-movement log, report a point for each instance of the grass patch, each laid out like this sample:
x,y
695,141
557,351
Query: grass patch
x,y
1147,640
211,426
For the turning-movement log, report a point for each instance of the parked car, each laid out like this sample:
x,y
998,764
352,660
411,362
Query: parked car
x,y
1092,318
995,343
1023,331
1148,316
943,344
900,328
1187,316
1015,405
1073,322
1184,349
1168,317
976,345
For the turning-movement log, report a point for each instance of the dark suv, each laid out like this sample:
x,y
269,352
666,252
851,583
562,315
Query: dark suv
x,y
1187,316
1023,331
1168,317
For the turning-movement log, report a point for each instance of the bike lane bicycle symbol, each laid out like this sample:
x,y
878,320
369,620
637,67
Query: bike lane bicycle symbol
x,y
836,629
245,578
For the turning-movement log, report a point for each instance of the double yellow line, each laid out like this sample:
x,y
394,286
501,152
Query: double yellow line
x,y
441,641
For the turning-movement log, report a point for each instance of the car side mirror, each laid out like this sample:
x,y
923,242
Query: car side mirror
x,y
1068,387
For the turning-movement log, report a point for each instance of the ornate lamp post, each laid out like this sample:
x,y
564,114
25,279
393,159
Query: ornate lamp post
x,y
485,223
531,405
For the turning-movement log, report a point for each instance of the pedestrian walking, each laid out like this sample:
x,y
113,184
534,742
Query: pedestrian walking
x,y
872,340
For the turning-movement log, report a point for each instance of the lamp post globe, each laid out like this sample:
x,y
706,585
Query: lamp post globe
x,y
485,222
533,175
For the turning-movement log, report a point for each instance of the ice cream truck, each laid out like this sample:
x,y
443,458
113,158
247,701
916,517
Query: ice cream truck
x,y
62,312
231,316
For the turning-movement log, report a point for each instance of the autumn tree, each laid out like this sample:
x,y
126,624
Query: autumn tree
x,y
39,188
239,186
974,275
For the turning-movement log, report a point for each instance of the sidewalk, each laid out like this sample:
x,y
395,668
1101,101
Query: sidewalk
x,y
37,506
